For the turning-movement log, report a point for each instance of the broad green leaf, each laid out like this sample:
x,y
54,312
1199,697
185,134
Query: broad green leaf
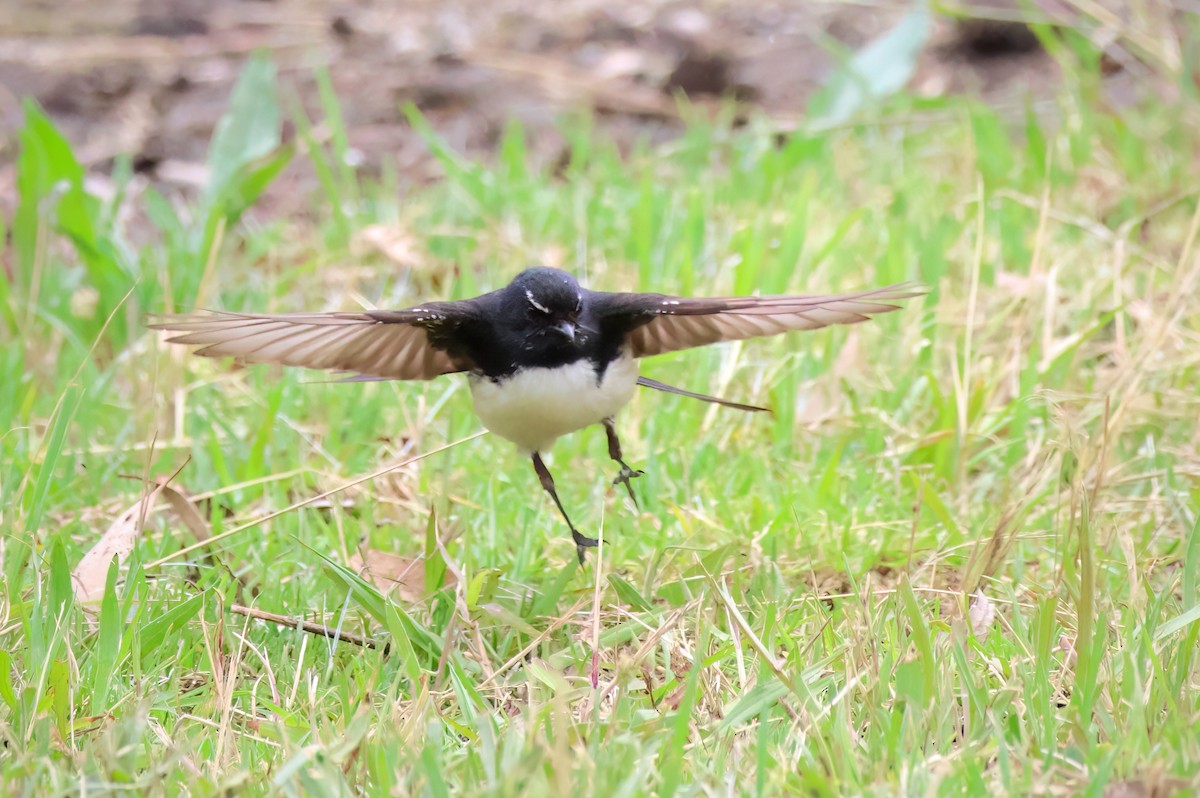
x,y
546,602
1180,621
909,682
46,164
881,68
248,184
482,588
920,637
754,702
7,694
61,590
431,762
435,564
64,414
59,693
406,632
108,642
155,632
1191,564
628,593
249,129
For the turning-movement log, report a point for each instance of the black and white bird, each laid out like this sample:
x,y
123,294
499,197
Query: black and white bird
x,y
544,356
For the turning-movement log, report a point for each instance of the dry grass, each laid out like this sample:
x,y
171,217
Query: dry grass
x,y
960,558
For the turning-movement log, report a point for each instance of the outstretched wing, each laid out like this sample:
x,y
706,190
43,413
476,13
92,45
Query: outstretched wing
x,y
657,323
411,344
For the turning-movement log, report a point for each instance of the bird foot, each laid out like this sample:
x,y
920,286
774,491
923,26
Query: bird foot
x,y
626,477
582,544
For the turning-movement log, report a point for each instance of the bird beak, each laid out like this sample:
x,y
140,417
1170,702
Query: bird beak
x,y
565,328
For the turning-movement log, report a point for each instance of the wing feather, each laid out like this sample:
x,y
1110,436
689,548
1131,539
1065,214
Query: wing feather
x,y
658,323
379,344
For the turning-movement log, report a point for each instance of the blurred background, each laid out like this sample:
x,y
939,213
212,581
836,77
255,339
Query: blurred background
x,y
151,78
798,606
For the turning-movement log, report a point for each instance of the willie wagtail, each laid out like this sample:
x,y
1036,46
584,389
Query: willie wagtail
x,y
544,356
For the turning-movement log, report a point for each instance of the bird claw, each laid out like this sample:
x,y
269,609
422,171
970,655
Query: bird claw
x,y
583,540
625,477
582,544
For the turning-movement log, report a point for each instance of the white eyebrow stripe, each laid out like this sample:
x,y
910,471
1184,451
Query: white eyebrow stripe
x,y
535,303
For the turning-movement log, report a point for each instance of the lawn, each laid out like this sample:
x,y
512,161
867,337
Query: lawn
x,y
959,558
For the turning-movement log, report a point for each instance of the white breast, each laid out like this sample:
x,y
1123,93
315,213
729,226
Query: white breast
x,y
535,406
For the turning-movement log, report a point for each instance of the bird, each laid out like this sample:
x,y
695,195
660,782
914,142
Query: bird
x,y
544,357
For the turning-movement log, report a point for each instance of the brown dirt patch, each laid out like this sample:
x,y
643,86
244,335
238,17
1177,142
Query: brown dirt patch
x,y
151,78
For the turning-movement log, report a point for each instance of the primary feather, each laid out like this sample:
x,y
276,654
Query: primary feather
x,y
392,347
669,324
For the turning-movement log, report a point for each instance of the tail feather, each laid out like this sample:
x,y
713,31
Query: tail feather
x,y
646,382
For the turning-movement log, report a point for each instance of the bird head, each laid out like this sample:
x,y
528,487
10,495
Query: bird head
x,y
549,301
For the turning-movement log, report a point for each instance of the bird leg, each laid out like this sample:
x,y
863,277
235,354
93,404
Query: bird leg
x,y
582,542
614,451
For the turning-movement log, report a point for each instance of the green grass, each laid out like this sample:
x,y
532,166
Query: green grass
x,y
788,612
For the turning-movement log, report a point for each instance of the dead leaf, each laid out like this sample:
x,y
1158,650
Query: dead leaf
x,y
185,509
681,663
675,698
1067,646
391,572
822,400
117,541
982,614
